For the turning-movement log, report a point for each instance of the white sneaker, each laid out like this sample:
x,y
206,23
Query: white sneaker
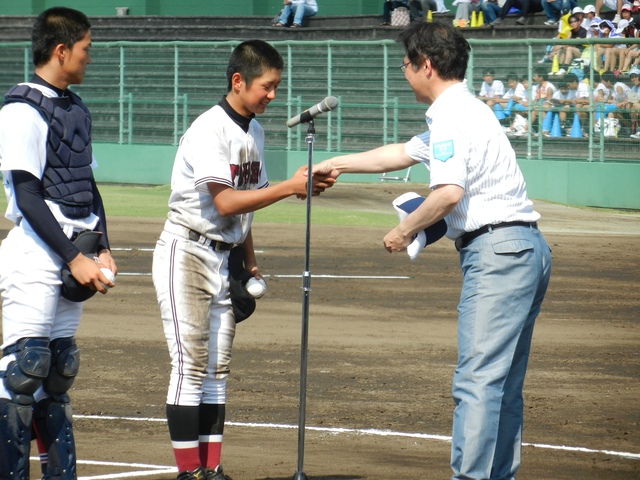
x,y
636,135
553,23
616,19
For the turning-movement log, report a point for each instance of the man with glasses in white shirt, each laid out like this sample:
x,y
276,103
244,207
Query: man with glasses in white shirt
x,y
477,187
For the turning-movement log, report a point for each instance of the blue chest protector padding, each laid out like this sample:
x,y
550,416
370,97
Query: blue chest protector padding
x,y
67,176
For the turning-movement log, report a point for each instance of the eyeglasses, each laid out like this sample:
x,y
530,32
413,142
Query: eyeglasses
x,y
574,21
404,66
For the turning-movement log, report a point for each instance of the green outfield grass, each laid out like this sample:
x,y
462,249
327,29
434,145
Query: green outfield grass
x,y
151,201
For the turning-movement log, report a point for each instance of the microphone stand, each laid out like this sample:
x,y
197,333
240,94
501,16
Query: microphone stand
x,y
306,289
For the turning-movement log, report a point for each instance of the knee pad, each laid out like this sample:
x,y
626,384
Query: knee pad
x,y
15,438
27,372
65,363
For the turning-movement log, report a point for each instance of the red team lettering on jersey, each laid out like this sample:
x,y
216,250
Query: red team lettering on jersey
x,y
247,175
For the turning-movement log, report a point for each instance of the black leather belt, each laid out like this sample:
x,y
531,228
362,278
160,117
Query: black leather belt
x,y
463,240
214,244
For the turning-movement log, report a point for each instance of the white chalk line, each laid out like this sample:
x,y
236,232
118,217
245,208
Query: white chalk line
x,y
374,432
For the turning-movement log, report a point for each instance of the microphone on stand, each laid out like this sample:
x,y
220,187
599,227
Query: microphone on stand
x,y
325,105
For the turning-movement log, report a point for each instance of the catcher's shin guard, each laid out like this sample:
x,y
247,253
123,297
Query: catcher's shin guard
x,y
21,378
15,439
53,417
53,421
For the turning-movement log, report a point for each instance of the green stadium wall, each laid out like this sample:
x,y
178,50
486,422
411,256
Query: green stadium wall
x,y
93,8
595,184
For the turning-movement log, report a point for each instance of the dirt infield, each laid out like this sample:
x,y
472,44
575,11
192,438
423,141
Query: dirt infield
x,y
381,356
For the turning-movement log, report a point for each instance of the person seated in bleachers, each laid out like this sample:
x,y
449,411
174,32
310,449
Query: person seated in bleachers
x,y
510,101
554,9
589,12
631,54
564,100
541,94
299,9
566,53
612,5
581,96
525,6
420,8
607,30
464,9
388,7
491,89
491,10
634,98
615,57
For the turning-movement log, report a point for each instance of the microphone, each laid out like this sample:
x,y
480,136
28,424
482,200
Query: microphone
x,y
325,105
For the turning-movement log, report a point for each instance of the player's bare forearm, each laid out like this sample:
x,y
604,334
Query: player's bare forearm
x,y
438,204
250,261
235,202
388,158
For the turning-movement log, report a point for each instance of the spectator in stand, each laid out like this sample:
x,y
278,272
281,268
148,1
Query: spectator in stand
x,y
607,30
566,53
612,5
542,94
619,97
632,53
463,11
634,96
491,89
388,7
420,8
614,61
554,9
299,9
491,10
581,97
525,6
625,12
589,14
563,100
504,105
516,106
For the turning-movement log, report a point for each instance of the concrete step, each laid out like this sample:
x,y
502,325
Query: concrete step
x,y
357,27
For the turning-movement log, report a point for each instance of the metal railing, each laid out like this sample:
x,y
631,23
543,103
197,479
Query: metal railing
x,y
149,92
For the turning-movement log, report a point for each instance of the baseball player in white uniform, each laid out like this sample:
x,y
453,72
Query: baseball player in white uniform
x,y
477,187
218,181
46,163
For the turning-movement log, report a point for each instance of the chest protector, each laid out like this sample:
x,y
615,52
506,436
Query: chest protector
x,y
67,178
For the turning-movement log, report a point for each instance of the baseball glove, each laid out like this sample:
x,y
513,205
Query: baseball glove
x,y
87,243
241,300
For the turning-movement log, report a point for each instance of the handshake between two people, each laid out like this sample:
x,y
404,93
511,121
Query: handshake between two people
x,y
322,177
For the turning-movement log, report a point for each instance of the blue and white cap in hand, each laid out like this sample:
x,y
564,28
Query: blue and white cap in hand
x,y
406,204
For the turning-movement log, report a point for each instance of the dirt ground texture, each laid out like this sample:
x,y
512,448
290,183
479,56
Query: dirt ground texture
x,y
381,356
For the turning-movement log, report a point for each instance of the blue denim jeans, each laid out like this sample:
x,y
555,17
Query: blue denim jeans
x,y
553,10
505,277
299,12
490,12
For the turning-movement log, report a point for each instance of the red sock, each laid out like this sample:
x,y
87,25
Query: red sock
x,y
210,450
187,455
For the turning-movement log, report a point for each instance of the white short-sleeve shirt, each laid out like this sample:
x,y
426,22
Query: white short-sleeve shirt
x,y
473,152
216,149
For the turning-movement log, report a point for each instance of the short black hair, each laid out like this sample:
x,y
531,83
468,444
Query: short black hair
x,y
571,77
512,76
251,59
439,42
55,26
